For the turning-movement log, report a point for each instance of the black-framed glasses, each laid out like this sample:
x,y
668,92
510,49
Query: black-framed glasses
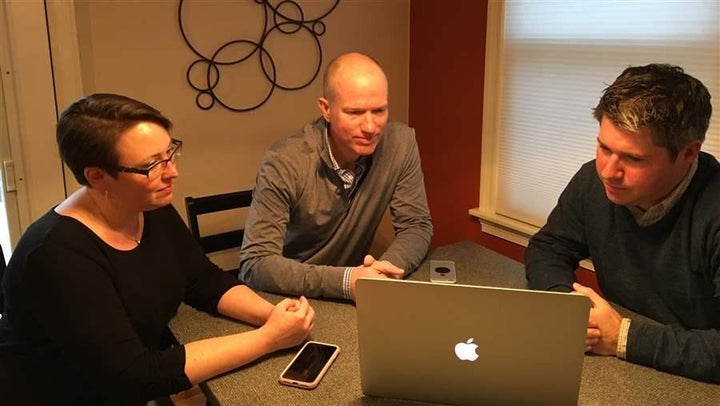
x,y
157,167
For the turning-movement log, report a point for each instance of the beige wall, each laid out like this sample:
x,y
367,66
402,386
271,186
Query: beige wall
x,y
135,48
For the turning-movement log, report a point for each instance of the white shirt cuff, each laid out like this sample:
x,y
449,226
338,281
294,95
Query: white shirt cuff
x,y
346,282
621,351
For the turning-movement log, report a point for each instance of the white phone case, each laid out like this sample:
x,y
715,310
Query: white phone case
x,y
309,365
442,271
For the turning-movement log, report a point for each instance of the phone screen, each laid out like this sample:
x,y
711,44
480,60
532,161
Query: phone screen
x,y
309,364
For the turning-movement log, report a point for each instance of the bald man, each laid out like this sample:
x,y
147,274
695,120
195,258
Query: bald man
x,y
321,192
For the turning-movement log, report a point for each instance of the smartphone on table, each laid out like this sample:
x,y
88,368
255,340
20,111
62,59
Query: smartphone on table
x,y
309,365
442,271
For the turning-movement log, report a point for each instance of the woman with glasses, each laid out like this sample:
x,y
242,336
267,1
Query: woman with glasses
x,y
93,283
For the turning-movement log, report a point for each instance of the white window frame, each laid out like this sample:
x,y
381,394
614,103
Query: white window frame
x,y
491,221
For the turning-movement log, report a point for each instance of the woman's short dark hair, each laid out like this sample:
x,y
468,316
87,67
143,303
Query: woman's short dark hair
x,y
90,128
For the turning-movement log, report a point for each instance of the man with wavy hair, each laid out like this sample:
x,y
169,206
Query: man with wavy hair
x,y
647,211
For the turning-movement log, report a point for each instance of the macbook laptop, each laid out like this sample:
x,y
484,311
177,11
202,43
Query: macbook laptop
x,y
462,344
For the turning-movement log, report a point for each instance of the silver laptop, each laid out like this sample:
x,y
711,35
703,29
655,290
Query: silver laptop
x,y
462,344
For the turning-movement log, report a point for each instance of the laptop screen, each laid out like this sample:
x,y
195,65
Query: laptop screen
x,y
470,344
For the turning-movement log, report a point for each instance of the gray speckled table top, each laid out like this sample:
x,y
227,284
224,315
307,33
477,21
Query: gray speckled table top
x,y
605,380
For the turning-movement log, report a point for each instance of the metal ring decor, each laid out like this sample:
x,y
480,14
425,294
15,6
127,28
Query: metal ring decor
x,y
204,74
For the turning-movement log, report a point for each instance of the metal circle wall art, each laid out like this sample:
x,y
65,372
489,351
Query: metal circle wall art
x,y
211,74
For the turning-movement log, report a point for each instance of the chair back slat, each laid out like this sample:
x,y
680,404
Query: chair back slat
x,y
197,206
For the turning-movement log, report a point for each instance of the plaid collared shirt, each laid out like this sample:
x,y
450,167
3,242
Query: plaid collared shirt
x,y
351,180
652,215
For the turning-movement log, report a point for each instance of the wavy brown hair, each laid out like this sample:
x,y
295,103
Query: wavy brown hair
x,y
672,104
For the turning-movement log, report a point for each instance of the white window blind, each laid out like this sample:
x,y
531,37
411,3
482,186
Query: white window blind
x,y
546,67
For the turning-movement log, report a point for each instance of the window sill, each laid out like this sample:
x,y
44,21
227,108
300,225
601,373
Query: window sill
x,y
511,230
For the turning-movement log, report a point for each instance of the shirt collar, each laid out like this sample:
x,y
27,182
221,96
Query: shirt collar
x,y
335,165
360,162
653,214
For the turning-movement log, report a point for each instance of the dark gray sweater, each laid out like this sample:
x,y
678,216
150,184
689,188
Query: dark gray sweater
x,y
303,229
667,271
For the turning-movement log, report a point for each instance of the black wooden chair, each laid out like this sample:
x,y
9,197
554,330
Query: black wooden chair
x,y
197,206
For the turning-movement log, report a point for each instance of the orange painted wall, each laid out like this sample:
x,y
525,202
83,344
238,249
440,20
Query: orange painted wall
x,y
447,70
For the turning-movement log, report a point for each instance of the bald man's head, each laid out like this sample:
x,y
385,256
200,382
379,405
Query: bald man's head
x,y
348,67
355,106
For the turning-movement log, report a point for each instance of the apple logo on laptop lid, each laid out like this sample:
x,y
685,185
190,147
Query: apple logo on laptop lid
x,y
467,350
